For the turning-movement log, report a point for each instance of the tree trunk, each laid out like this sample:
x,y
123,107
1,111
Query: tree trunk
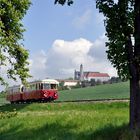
x,y
135,72
134,103
133,81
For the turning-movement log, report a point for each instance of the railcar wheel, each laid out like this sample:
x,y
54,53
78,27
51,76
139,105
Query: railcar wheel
x,y
11,102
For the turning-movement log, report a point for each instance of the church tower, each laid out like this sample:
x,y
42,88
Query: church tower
x,y
81,73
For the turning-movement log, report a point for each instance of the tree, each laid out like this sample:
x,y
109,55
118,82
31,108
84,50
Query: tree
x,y
122,23
92,82
13,55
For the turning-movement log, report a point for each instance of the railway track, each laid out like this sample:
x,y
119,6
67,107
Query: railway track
x,y
95,100
80,101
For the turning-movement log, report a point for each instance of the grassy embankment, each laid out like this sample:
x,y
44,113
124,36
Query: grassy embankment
x,y
112,91
64,121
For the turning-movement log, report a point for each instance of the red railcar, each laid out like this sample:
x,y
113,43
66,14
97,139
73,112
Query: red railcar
x,y
44,90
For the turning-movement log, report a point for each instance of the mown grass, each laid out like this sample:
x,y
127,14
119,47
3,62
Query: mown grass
x,y
65,121
108,91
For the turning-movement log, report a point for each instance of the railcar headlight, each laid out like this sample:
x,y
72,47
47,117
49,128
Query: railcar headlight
x,y
46,95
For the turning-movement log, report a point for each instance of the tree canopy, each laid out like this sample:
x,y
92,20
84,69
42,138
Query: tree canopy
x,y
62,2
119,25
13,55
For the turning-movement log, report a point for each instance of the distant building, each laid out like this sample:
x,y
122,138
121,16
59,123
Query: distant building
x,y
68,83
81,75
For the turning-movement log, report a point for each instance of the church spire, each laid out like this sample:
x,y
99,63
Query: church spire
x,y
81,73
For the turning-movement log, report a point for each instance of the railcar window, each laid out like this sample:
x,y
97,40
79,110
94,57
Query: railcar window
x,y
36,87
46,86
53,86
41,86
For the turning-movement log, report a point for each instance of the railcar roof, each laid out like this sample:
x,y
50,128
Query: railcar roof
x,y
49,81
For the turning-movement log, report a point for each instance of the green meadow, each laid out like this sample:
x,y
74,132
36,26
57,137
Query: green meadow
x,y
69,121
64,121
108,91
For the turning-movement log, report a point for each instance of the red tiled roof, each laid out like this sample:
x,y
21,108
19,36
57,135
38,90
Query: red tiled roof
x,y
95,74
66,80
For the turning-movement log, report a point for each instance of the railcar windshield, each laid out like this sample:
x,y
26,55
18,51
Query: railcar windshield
x,y
53,86
46,86
49,86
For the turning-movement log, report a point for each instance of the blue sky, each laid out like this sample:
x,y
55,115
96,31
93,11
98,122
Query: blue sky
x,y
46,22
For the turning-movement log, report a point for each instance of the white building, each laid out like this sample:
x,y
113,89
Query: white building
x,y
69,83
78,75
96,76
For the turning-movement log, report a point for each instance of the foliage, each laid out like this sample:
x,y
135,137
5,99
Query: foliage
x,y
93,82
13,56
62,2
2,94
119,25
70,121
62,88
115,80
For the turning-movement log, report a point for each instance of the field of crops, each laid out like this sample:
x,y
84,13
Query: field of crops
x,y
108,91
64,121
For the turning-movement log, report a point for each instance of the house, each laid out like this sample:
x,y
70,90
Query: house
x,y
96,76
68,83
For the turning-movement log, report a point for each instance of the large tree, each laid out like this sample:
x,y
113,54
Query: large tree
x,y
13,55
122,22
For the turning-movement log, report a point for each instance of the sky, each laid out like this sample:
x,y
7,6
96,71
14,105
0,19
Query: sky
x,y
60,38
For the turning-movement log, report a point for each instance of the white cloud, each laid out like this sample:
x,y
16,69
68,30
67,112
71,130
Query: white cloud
x,y
38,65
66,56
81,21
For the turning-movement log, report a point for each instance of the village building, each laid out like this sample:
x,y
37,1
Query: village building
x,y
88,75
68,83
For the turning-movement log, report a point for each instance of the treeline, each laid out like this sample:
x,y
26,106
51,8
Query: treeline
x,y
92,82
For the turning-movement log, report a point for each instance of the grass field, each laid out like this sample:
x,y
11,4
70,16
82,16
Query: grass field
x,y
64,121
112,91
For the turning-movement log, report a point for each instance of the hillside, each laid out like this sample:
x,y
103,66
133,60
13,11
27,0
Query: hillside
x,y
113,91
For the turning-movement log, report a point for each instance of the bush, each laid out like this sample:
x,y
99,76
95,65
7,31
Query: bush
x,y
98,82
63,88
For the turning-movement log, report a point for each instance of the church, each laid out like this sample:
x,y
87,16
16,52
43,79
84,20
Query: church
x,y
88,75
